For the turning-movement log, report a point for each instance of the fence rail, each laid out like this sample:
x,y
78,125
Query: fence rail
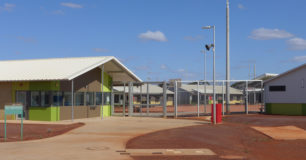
x,y
185,98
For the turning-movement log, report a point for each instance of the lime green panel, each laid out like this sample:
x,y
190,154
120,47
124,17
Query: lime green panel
x,y
287,109
107,83
44,113
45,86
106,110
268,108
304,109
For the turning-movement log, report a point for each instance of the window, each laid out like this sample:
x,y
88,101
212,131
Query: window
x,y
277,88
79,99
35,98
98,98
89,98
106,98
302,83
67,99
57,99
117,98
45,98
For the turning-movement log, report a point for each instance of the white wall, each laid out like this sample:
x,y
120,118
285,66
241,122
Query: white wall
x,y
294,92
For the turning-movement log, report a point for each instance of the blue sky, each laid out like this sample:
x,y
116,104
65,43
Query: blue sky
x,y
158,39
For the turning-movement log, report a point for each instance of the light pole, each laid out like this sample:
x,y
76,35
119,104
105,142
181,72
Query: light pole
x,y
214,69
203,51
227,60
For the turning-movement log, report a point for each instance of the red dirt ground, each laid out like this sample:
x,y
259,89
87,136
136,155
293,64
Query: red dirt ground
x,y
35,131
233,137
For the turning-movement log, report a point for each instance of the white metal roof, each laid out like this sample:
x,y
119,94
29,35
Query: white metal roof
x,y
285,73
209,89
60,68
153,89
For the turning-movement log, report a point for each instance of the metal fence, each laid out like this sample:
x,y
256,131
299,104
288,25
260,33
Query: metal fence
x,y
185,98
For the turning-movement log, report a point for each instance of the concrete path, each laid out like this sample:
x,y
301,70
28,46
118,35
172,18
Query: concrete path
x,y
97,140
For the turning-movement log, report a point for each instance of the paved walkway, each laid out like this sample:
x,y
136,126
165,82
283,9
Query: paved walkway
x,y
97,140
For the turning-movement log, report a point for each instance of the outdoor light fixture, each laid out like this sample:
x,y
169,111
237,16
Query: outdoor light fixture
x,y
214,68
209,46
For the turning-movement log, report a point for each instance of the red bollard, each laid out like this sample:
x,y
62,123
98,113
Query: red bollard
x,y
218,111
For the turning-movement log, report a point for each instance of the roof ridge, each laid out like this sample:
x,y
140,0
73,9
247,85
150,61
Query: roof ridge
x,y
53,58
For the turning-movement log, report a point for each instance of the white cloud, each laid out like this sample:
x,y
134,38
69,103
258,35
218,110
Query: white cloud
x,y
193,38
267,34
241,6
71,5
101,50
296,44
299,59
7,7
154,36
58,12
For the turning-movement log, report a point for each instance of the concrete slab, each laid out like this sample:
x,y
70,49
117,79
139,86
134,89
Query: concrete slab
x,y
98,139
283,132
170,152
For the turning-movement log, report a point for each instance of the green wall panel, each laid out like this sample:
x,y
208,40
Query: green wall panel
x,y
292,109
44,113
106,110
107,87
45,86
268,108
287,109
304,109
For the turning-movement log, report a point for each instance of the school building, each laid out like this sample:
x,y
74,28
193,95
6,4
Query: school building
x,y
61,88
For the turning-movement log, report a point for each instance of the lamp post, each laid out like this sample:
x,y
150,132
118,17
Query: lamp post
x,y
227,60
214,69
203,51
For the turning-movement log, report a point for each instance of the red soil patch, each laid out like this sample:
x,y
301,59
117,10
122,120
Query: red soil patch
x,y
35,131
234,137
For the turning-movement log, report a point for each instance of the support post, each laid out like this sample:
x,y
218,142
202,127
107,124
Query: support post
x,y
205,102
148,100
246,98
21,126
175,99
124,100
223,98
140,109
72,100
5,127
102,93
165,99
112,102
198,109
262,98
131,103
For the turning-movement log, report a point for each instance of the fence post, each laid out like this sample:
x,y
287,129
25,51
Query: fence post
x,y
165,99
148,99
130,109
205,102
140,110
223,98
246,98
175,99
124,100
198,83
262,98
